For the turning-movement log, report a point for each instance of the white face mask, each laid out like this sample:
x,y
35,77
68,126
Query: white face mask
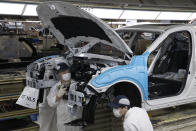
x,y
66,76
116,113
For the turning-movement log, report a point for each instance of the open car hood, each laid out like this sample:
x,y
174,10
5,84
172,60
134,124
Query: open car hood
x,y
70,24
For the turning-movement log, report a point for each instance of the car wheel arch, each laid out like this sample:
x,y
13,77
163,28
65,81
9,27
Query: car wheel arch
x,y
129,89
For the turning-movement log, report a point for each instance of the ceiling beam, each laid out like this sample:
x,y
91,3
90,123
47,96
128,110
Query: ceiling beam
x,y
125,4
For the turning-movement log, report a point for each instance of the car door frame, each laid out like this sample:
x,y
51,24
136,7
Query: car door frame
x,y
184,97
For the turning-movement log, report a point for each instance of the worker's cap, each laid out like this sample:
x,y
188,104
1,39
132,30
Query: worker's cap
x,y
119,101
61,67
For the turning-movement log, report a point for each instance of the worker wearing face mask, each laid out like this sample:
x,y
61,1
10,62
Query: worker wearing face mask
x,y
57,98
134,118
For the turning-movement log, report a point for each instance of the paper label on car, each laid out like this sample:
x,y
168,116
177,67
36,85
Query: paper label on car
x,y
29,97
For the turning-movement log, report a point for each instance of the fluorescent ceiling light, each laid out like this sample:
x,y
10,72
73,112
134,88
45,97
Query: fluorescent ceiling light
x,y
30,10
11,8
192,16
121,23
106,13
132,14
173,16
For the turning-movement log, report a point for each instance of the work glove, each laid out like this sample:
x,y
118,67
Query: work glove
x,y
61,92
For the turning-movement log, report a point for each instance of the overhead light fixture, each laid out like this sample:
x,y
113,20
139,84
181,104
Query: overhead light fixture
x,y
30,10
106,13
174,16
11,8
135,14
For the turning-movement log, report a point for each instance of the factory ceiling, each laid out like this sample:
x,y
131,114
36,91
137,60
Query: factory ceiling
x,y
161,5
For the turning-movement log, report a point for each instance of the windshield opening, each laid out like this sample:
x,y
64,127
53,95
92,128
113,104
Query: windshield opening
x,y
99,48
103,49
138,41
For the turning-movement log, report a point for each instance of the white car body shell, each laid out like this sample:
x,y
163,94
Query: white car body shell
x,y
49,10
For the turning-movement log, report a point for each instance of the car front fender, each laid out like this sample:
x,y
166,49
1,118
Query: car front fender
x,y
135,72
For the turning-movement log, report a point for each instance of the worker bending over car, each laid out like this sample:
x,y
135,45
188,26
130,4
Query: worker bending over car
x,y
58,98
134,118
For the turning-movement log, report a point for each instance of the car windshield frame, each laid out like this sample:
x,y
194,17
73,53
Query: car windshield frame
x,y
137,31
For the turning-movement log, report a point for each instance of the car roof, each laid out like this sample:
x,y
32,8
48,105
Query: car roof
x,y
152,27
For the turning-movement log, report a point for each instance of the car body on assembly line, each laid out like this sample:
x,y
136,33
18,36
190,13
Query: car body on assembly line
x,y
159,73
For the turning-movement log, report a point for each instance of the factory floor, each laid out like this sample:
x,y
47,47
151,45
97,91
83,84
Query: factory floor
x,y
181,118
